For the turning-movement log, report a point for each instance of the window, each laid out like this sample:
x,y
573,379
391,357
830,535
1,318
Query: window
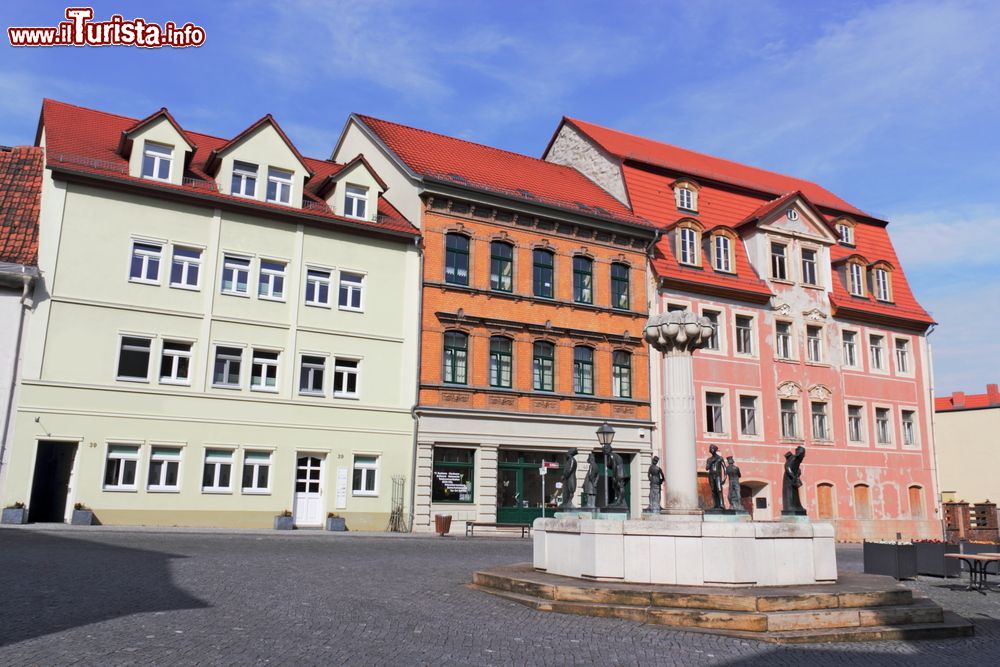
x,y
722,253
583,280
783,340
714,419
846,233
883,426
902,356
748,415
862,502
916,496
244,179
779,266
857,279
501,266
355,201
264,371
500,361
543,273
543,366
882,285
365,472
620,286
877,352
676,308
311,374
713,316
824,500
456,259
133,358
345,378
185,268
156,161
850,340
164,469
855,426
688,246
789,418
256,472
744,334
317,287
814,344
820,426
621,374
453,475
145,267
352,290
456,350
583,370
218,470
120,468
175,363
909,429
687,199
227,367
809,276
279,186
271,283
235,275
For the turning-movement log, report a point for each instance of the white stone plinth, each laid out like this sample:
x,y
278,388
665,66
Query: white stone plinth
x,y
688,551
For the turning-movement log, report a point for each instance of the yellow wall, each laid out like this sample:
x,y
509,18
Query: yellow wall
x,y
968,442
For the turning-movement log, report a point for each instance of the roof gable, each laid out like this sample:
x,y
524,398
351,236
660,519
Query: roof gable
x,y
792,214
261,125
129,134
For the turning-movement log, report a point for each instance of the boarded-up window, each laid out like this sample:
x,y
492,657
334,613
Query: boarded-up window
x,y
824,501
917,502
862,502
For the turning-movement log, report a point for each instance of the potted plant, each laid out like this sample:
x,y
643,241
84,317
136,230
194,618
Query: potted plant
x,y
979,547
931,560
895,559
16,514
284,521
335,522
82,516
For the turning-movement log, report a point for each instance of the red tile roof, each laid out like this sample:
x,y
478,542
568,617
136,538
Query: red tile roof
x,y
463,163
210,163
627,146
20,202
86,140
961,401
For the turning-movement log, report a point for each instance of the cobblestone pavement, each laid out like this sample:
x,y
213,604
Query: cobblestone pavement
x,y
118,598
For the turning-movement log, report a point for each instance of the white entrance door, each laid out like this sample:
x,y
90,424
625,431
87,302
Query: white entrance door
x,y
308,510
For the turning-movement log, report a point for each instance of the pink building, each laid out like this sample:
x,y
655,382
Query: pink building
x,y
820,340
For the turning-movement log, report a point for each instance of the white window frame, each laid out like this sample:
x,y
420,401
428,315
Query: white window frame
x,y
167,459
218,461
354,195
318,280
242,362
883,291
758,415
788,345
366,470
890,440
814,345
856,279
723,412
720,333
914,435
847,361
265,365
283,181
147,256
862,429
814,266
122,335
356,371
796,431
772,257
267,277
135,456
236,268
186,264
689,246
255,489
311,368
845,233
753,334
175,363
686,198
165,154
905,368
242,173
722,253
880,355
351,288
827,435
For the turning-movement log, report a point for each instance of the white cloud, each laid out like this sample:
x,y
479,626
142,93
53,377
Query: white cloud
x,y
948,237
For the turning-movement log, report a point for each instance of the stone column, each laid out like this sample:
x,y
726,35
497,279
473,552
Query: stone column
x,y
677,335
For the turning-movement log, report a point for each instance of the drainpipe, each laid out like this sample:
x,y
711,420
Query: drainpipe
x,y
27,278
933,418
417,242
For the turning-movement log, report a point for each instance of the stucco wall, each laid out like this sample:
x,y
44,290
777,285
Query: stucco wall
x,y
575,150
968,444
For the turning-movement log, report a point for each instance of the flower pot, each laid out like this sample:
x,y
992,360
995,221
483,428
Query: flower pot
x,y
894,560
14,515
442,524
976,548
82,518
931,560
282,522
336,523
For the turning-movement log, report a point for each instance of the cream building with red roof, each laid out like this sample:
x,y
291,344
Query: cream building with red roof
x,y
967,433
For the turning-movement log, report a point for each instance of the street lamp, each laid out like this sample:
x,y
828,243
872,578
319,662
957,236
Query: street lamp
x,y
605,435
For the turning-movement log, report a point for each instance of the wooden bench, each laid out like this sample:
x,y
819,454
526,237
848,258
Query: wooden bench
x,y
470,527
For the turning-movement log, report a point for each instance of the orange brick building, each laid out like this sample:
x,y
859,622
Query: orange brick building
x,y
534,297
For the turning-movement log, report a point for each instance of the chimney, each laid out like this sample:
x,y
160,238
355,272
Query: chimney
x,y
993,394
958,399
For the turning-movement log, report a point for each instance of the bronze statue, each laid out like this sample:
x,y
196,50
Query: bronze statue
x,y
714,466
569,480
791,504
590,482
733,480
614,469
655,482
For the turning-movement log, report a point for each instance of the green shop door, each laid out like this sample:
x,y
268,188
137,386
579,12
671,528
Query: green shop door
x,y
521,493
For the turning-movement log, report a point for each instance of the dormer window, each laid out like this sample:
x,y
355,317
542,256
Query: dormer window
x,y
845,231
279,186
244,179
687,198
856,279
722,253
156,161
356,201
688,244
882,283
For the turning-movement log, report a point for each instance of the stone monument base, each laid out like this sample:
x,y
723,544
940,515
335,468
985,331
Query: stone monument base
x,y
671,549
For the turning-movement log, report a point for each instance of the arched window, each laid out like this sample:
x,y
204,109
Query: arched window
x,y
722,253
583,279
621,374
862,502
856,278
689,243
845,230
501,350
686,195
456,356
824,501
620,286
543,273
456,259
916,495
544,366
583,370
501,266
882,281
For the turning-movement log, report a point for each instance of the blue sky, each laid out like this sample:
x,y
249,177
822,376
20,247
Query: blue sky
x,y
892,105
